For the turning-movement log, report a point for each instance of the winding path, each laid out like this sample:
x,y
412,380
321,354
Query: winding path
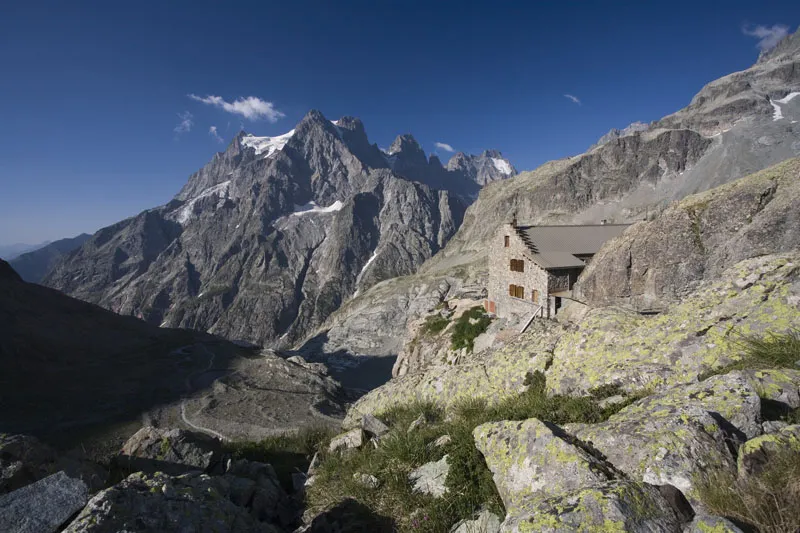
x,y
188,384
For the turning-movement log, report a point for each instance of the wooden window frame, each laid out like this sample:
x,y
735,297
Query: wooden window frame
x,y
535,296
507,241
516,291
517,265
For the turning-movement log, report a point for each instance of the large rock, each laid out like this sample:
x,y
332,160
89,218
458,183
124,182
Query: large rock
x,y
756,453
777,385
550,481
485,522
670,437
190,502
614,346
711,524
349,440
43,506
172,451
660,262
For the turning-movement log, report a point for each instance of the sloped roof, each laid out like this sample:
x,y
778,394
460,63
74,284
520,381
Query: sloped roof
x,y
557,246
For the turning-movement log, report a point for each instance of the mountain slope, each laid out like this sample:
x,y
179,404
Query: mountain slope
x,y
32,266
269,238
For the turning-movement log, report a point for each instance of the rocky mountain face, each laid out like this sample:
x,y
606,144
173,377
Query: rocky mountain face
x,y
32,266
271,237
654,264
464,174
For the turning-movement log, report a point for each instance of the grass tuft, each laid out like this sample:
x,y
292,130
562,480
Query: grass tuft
x,y
434,324
767,501
774,350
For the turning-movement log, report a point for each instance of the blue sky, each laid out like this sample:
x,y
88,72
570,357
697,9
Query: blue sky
x,y
92,93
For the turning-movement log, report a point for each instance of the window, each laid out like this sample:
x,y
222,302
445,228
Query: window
x,y
535,296
516,291
517,265
506,241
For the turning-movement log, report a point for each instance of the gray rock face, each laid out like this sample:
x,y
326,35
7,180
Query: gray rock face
x,y
756,453
191,502
309,221
482,169
485,522
717,524
354,438
615,134
373,426
43,506
171,451
23,460
657,263
430,478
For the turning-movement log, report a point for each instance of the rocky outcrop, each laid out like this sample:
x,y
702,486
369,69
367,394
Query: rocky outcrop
x,y
191,502
657,263
43,506
612,346
551,482
172,451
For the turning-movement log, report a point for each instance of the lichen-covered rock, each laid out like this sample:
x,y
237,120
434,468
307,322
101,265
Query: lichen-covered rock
x,y
430,478
158,502
367,480
778,385
534,459
43,506
756,453
491,375
485,522
172,451
711,524
352,439
617,506
615,346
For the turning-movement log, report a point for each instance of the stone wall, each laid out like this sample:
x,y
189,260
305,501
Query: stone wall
x,y
501,276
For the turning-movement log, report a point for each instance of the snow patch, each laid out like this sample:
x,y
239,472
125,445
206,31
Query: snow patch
x,y
221,189
788,98
266,145
312,207
501,165
776,114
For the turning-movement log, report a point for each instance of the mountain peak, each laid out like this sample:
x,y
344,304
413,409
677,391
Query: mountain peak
x,y
405,143
314,115
7,272
789,45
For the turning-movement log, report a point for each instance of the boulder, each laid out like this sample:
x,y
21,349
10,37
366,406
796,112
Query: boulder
x,y
349,440
550,481
430,478
777,385
756,453
373,426
42,506
485,522
190,502
173,451
668,438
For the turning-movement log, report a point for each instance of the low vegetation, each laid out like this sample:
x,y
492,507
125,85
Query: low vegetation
x,y
470,485
767,501
434,324
467,328
774,350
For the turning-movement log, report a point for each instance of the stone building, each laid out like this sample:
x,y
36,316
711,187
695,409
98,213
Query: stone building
x,y
531,268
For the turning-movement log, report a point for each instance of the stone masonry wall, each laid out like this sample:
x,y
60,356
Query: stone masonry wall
x,y
501,275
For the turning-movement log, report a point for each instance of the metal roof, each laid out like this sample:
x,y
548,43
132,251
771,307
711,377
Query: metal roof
x,y
557,246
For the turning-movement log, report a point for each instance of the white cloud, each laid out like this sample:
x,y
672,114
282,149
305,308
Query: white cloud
x,y
575,99
213,132
444,146
251,108
768,36
186,123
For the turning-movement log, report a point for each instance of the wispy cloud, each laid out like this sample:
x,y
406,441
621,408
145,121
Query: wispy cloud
x,y
768,37
213,132
575,99
186,123
251,108
444,146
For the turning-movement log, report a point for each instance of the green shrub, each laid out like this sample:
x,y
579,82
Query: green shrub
x,y
465,331
774,350
434,324
767,501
